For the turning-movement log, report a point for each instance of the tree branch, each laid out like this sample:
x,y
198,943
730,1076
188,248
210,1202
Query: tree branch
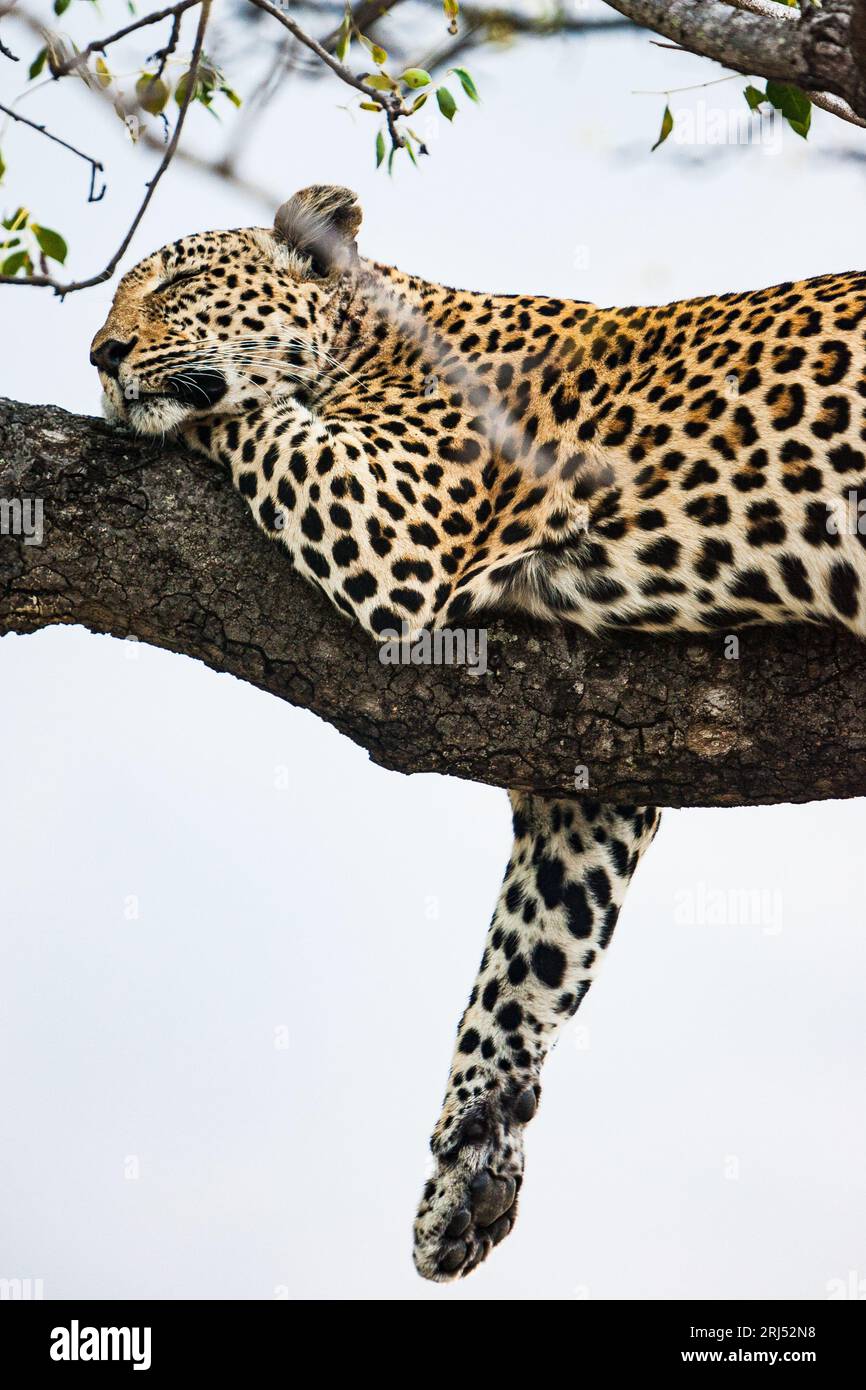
x,y
77,60
390,102
154,543
96,167
364,16
818,49
48,281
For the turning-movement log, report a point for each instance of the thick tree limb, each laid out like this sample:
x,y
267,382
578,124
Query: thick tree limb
x,y
154,543
819,49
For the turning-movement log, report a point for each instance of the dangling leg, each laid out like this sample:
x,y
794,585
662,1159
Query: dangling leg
x,y
564,885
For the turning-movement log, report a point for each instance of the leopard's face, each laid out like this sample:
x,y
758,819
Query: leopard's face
x,y
214,322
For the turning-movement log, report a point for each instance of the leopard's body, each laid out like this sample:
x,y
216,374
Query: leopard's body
x,y
426,455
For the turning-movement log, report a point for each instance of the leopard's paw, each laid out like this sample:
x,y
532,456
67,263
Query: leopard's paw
x,y
470,1203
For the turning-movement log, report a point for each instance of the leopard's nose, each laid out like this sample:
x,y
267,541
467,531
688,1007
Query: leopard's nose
x,y
109,355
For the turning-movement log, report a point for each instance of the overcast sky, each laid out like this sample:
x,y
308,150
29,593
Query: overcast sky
x,y
227,1008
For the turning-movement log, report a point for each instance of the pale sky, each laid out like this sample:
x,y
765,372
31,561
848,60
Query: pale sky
x,y
227,1009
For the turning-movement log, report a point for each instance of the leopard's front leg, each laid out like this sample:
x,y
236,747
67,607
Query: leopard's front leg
x,y
570,866
319,488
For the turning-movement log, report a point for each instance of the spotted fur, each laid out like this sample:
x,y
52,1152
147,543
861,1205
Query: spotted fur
x,y
427,455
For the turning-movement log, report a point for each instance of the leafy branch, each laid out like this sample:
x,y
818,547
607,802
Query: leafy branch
x,y
805,54
60,68
396,98
48,281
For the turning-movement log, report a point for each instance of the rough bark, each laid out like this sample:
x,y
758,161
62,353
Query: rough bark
x,y
822,49
154,543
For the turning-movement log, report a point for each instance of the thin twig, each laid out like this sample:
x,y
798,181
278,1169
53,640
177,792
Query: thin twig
x,y
7,52
344,73
100,45
390,102
364,16
96,167
163,54
675,91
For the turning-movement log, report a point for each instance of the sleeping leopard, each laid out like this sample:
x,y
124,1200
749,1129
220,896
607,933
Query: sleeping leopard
x,y
426,456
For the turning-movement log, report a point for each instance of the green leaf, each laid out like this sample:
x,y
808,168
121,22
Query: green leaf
x,y
231,94
14,263
415,78
380,82
794,105
754,97
181,89
152,93
419,101
376,52
391,158
50,243
17,220
411,153
344,38
667,127
61,5
2,167
447,104
380,148
38,63
466,83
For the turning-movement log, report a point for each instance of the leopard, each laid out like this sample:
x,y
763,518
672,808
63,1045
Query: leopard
x,y
429,457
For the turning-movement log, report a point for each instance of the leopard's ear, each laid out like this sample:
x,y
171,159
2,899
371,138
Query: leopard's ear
x,y
321,223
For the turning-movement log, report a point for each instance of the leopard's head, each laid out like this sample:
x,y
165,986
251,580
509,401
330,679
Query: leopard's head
x,y
215,320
